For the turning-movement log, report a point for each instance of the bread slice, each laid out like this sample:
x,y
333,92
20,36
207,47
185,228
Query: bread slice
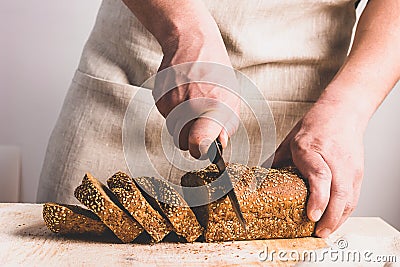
x,y
200,178
100,200
131,197
72,219
173,206
276,208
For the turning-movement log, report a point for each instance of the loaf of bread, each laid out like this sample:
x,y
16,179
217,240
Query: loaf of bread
x,y
72,219
100,200
273,203
173,206
131,197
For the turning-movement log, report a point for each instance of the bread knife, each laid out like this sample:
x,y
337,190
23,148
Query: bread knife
x,y
215,155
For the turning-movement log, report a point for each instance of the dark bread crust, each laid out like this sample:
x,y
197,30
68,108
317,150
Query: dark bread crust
x,y
72,219
100,200
131,197
173,206
273,209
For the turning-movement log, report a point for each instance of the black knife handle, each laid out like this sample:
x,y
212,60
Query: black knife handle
x,y
214,154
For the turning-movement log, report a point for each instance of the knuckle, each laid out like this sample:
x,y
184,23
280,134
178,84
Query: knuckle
x,y
306,142
300,142
350,207
340,192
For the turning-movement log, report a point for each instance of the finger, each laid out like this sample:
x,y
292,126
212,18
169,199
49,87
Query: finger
x,y
350,206
223,138
167,103
202,133
181,135
314,168
336,206
348,210
230,127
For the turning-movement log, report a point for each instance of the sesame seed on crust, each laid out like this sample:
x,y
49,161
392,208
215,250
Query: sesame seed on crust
x,y
174,207
273,203
130,196
71,219
100,200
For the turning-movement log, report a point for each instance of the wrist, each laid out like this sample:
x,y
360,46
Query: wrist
x,y
195,33
169,21
190,24
350,102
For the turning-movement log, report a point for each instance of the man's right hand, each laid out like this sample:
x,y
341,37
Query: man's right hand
x,y
217,107
187,33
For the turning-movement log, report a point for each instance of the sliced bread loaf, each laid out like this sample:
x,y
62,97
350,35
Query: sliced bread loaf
x,y
131,197
273,209
173,206
100,200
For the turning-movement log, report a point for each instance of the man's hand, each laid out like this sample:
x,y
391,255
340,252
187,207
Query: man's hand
x,y
187,32
327,148
203,111
327,144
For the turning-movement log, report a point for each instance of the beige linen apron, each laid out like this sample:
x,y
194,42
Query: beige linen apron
x,y
291,49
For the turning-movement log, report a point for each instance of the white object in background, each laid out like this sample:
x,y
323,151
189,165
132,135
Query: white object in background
x,y
10,173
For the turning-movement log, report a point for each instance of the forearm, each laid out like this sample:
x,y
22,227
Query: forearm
x,y
372,67
169,20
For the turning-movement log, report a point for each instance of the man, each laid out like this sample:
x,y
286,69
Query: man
x,y
295,51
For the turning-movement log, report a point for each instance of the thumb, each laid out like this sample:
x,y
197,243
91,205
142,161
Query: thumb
x,y
314,168
202,133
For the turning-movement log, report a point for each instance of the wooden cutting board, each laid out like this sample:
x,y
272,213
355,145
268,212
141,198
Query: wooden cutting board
x,y
24,240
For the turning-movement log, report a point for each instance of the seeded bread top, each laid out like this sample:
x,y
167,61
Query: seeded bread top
x,y
272,201
174,207
131,197
99,199
71,219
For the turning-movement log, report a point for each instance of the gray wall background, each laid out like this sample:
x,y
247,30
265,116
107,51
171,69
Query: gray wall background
x,y
41,42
